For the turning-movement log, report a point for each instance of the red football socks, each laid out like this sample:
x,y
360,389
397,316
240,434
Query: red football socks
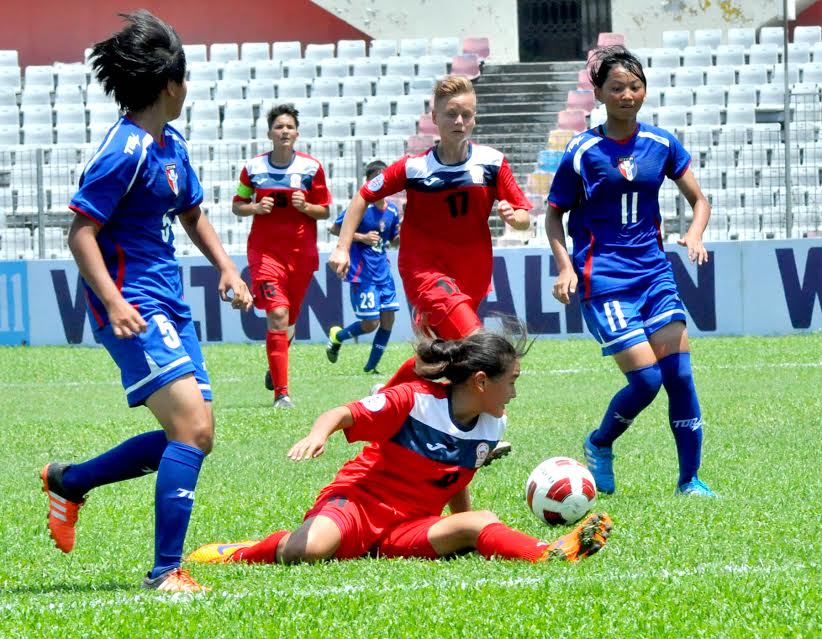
x,y
264,552
276,347
498,540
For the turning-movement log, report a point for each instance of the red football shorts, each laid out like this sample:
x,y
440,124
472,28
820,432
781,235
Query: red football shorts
x,y
279,283
368,526
440,306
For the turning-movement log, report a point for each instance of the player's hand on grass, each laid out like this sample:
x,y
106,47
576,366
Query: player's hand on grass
x,y
308,447
233,289
264,206
696,249
339,261
565,285
126,321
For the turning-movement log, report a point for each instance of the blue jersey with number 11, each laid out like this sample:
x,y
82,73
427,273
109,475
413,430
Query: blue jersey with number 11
x,y
134,187
611,188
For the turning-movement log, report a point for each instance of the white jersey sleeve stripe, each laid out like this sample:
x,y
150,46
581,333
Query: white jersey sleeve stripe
x,y
582,149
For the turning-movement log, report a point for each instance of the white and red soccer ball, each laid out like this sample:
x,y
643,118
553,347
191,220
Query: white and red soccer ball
x,y
560,491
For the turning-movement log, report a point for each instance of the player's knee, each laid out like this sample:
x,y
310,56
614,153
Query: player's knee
x,y
676,371
369,325
645,382
278,318
485,518
313,548
387,321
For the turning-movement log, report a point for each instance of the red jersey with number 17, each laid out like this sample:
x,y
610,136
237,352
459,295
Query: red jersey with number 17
x,y
285,232
419,456
445,227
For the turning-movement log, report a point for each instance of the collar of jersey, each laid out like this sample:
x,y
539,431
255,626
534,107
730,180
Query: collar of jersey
x,y
467,157
280,166
601,133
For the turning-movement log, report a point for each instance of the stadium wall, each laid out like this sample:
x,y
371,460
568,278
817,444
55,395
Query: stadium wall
x,y
643,21
747,288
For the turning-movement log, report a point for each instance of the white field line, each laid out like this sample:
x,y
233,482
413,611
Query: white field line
x,y
550,372
545,577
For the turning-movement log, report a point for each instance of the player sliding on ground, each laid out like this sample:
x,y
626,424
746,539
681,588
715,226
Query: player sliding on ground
x,y
427,439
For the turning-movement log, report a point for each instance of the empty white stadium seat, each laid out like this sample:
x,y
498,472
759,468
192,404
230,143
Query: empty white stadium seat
x,y
357,86
71,133
710,95
229,90
400,66
9,58
289,50
710,38
204,130
37,134
368,67
720,76
676,39
402,125
382,48
432,66
368,126
808,34
697,57
299,68
223,52
377,106
350,49
237,129
238,110
317,52
69,114
9,134
799,52
672,117
309,108
772,35
730,55
693,76
42,75
343,108
763,53
390,85
678,96
267,70
413,47
333,68
448,47
325,88
194,53
203,71
704,116
410,105
9,115
778,75
771,96
336,127
237,70
203,111
743,36
740,114
658,78
36,114
255,51
753,74
665,58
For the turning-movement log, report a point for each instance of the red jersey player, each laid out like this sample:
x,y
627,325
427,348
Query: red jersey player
x,y
445,258
286,193
427,441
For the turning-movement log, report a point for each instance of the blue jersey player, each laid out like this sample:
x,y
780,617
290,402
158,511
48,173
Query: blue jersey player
x,y
609,179
130,192
373,293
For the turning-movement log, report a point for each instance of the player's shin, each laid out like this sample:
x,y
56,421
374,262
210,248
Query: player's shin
x,y
684,413
264,552
173,503
377,348
276,347
498,540
135,457
643,386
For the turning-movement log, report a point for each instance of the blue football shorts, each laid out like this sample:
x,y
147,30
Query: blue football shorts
x,y
369,300
168,349
622,319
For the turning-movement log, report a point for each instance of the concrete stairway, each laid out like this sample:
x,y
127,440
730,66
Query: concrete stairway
x,y
517,106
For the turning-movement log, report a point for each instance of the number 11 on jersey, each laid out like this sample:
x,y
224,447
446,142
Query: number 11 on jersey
x,y
628,209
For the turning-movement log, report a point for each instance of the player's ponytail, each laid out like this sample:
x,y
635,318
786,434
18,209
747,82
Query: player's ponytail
x,y
137,63
458,360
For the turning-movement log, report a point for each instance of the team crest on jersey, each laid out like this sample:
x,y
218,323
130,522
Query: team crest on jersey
x,y
627,167
374,403
482,453
477,175
296,180
171,176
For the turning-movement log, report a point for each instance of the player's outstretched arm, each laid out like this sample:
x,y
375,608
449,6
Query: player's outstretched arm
x,y
125,320
689,187
566,283
340,259
313,444
232,287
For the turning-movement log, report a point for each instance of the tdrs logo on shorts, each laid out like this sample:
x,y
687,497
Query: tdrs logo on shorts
x,y
482,453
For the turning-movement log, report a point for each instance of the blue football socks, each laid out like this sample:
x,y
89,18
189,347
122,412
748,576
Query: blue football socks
x,y
135,457
684,413
643,386
173,502
377,348
352,330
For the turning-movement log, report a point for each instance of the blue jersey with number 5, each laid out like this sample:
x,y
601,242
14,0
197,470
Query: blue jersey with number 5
x,y
612,191
133,188
369,264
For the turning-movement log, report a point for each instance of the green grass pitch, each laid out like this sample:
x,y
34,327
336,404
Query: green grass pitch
x,y
745,565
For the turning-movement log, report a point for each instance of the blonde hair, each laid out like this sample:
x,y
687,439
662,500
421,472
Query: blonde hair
x,y
452,85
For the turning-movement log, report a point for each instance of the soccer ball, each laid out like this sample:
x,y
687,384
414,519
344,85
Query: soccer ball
x,y
560,491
